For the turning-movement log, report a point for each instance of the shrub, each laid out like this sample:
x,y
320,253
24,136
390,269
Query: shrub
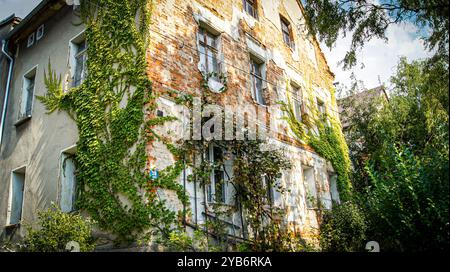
x,y
343,229
56,230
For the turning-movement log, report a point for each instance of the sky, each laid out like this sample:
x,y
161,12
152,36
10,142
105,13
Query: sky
x,y
379,57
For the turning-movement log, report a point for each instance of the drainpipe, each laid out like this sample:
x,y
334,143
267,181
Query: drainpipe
x,y
8,83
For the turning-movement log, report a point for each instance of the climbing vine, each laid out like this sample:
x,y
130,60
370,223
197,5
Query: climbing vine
x,y
324,134
111,109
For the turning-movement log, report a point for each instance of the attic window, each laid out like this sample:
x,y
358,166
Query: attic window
x,y
40,33
31,39
250,8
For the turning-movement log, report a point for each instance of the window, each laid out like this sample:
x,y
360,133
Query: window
x,y
16,196
321,108
269,190
256,71
209,51
40,32
27,94
333,187
287,33
67,181
310,185
250,8
79,62
216,190
30,40
297,101
325,192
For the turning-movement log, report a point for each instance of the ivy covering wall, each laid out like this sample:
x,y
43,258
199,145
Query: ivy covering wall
x,y
323,132
110,108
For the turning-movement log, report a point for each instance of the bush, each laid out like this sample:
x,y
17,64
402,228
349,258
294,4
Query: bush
x,y
343,229
57,229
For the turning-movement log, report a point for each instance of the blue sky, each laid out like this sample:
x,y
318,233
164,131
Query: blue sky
x,y
379,57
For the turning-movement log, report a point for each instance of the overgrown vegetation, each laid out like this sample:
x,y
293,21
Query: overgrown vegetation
x,y
56,229
109,108
401,161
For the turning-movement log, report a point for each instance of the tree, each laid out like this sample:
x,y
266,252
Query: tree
x,y
367,19
401,162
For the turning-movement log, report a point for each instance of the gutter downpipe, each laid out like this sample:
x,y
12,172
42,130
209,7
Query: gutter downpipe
x,y
8,83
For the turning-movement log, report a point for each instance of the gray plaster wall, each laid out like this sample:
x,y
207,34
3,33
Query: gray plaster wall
x,y
38,143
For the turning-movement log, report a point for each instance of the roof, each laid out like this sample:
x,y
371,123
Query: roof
x,y
12,19
45,6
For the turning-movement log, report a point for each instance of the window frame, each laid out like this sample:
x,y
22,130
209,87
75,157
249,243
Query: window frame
x,y
74,54
202,38
26,104
18,170
257,73
212,186
68,152
40,32
286,31
254,7
297,96
321,105
308,187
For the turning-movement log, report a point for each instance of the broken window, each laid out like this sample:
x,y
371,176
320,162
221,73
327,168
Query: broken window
x,y
27,94
216,190
68,181
287,32
257,77
209,51
16,196
250,8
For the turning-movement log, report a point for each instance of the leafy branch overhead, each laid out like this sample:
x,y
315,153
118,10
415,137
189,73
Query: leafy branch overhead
x,y
366,19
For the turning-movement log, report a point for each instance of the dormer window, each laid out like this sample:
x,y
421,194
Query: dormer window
x,y
250,8
287,32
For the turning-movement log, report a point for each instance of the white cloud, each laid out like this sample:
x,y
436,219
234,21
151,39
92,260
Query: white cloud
x,y
379,57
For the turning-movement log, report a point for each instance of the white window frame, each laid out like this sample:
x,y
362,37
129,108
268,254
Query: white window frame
x,y
31,39
73,48
297,97
40,32
308,187
26,96
10,197
259,99
211,188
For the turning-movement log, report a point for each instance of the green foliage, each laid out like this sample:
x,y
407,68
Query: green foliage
x,y
408,203
324,135
109,111
401,161
56,230
365,20
343,229
330,143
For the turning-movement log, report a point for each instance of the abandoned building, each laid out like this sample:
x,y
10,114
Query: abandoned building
x,y
262,46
